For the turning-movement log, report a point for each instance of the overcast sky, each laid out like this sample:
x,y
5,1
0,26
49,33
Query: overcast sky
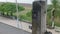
x,y
22,1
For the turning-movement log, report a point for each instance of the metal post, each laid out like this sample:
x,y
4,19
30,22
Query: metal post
x,y
52,17
17,14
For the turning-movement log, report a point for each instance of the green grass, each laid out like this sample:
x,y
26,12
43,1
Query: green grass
x,y
27,16
57,24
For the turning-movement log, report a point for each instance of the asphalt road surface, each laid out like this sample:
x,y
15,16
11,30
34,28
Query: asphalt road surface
x,y
7,29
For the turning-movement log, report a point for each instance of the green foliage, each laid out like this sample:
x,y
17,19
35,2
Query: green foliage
x,y
49,22
27,16
21,8
56,5
10,8
57,24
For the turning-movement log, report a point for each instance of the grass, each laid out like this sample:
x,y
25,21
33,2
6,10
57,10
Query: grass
x,y
27,17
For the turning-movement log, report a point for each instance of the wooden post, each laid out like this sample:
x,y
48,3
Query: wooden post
x,y
39,17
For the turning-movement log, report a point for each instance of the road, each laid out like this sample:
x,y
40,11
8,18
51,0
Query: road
x,y
22,25
7,29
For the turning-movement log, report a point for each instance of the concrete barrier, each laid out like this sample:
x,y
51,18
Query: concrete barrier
x,y
57,29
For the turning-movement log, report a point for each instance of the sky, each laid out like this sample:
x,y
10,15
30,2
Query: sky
x,y
23,1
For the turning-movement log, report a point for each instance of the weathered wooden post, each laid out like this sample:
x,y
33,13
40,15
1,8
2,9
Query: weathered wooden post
x,y
39,17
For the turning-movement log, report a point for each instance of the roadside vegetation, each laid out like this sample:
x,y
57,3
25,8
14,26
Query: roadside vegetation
x,y
9,9
27,16
55,4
